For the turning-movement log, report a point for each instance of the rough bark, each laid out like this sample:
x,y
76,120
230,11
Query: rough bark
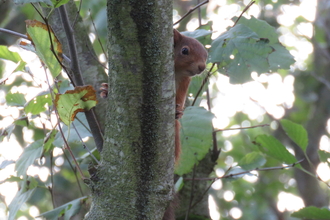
x,y
134,180
193,197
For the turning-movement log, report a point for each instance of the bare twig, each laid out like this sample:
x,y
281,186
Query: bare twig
x,y
84,145
98,36
66,144
245,9
90,115
13,33
191,10
191,193
77,15
241,128
209,73
246,172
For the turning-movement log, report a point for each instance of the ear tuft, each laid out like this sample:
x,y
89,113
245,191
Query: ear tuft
x,y
177,36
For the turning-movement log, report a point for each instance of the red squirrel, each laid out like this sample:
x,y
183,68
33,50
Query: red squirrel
x,y
189,60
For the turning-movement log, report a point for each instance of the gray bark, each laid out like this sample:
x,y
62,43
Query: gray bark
x,y
135,178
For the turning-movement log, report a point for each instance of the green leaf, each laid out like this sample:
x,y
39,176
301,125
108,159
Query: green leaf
x,y
18,67
296,132
5,163
15,99
21,197
239,52
6,54
197,34
49,139
37,104
178,184
324,156
67,210
261,28
251,45
40,36
280,58
29,155
23,121
58,3
202,34
252,161
81,99
196,137
21,2
14,179
274,148
7,131
312,212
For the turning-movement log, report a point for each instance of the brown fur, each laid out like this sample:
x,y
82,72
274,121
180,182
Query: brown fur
x,y
186,66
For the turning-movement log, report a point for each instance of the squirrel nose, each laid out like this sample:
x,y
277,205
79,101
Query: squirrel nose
x,y
201,67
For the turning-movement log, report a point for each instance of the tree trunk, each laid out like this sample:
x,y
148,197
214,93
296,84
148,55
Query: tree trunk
x,y
135,177
308,186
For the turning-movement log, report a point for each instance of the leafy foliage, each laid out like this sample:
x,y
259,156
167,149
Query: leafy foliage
x,y
21,197
67,210
81,99
312,212
196,137
16,99
251,161
29,155
38,104
49,3
296,132
250,46
274,148
39,34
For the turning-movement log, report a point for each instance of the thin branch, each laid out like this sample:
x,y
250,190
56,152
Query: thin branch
x,y
13,33
215,150
205,80
72,47
78,12
66,144
90,115
202,196
245,9
98,36
84,145
246,172
199,15
191,193
191,10
241,128
50,188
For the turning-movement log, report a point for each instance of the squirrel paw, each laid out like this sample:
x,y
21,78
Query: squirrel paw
x,y
104,90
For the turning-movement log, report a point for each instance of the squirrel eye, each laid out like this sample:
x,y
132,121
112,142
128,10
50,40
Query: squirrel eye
x,y
185,51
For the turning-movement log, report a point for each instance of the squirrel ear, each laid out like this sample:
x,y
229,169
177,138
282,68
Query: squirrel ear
x,y
177,36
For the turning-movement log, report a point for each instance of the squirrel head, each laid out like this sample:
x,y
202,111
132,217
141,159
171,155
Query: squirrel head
x,y
189,56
